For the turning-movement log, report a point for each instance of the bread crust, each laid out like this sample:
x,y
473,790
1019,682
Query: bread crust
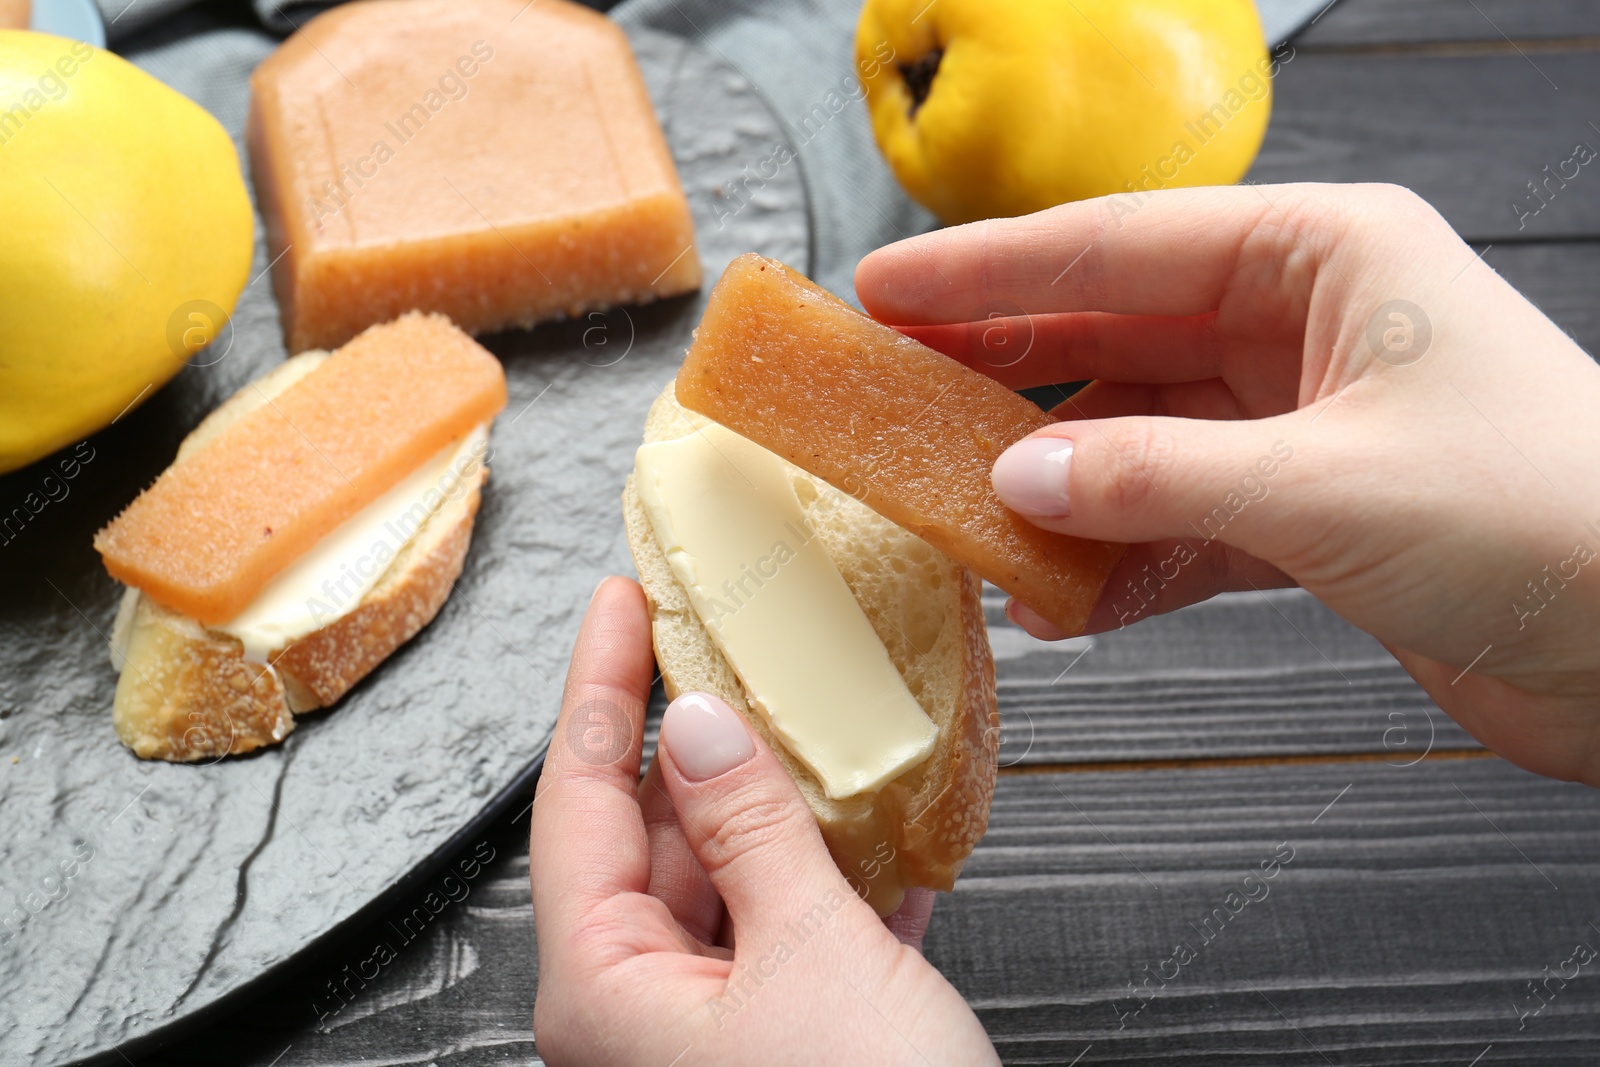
x,y
918,829
188,694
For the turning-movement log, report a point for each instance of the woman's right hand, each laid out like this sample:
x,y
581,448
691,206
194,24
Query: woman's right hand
x,y
1314,385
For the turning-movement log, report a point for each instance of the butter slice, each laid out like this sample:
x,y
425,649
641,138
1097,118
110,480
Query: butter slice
x,y
328,582
725,512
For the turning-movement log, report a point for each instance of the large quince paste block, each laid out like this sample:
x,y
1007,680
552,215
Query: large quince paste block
x,y
497,161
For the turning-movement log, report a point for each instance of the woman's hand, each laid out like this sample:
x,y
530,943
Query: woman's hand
x,y
1307,384
696,917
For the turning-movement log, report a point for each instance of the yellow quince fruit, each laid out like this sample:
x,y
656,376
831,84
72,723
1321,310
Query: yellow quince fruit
x,y
127,238
993,108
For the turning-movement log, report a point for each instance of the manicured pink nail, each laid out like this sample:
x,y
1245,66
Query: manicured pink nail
x,y
705,736
1031,477
1035,624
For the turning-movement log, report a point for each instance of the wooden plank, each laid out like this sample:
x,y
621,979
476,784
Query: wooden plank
x,y
1403,22
1404,930
1467,132
1246,674
1414,911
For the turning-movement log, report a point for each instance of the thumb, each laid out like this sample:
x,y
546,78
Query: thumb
x,y
743,816
1144,479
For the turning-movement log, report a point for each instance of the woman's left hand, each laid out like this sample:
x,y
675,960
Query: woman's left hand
x,y
697,917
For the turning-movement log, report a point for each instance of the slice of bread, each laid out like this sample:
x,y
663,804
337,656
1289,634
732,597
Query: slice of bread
x,y
187,693
918,829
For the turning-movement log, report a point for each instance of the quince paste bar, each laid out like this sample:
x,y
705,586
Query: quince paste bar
x,y
217,526
14,14
497,161
908,431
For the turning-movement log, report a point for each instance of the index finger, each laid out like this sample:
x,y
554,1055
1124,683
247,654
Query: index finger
x,y
588,839
1166,253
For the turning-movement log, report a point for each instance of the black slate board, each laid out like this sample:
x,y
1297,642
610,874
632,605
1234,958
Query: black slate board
x,y
174,887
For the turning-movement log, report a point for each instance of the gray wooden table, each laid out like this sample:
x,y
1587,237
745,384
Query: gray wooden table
x,y
1430,888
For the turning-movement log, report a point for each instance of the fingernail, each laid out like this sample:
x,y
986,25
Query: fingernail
x,y
599,587
705,736
1031,477
1035,624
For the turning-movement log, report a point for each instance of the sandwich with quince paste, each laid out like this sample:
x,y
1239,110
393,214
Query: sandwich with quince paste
x,y
308,527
